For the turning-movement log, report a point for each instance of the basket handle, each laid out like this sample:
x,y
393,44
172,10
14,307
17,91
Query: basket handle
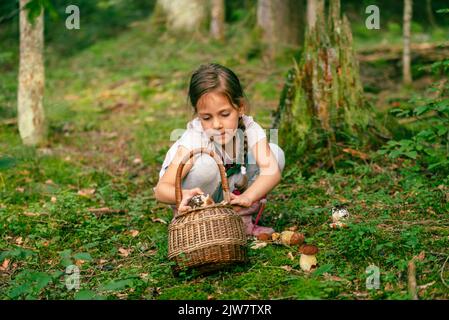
x,y
224,179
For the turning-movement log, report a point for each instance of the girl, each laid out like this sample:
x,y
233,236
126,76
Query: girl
x,y
253,166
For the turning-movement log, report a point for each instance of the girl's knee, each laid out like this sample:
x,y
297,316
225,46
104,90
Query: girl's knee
x,y
203,172
278,154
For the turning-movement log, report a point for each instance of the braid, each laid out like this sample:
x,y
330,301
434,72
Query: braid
x,y
243,184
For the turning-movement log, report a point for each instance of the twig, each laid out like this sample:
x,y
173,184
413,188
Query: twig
x,y
412,279
441,273
8,122
100,211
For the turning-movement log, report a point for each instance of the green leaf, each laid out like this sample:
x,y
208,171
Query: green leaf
x,y
87,295
34,8
19,254
83,256
422,109
439,164
441,130
326,268
411,154
22,289
117,285
7,162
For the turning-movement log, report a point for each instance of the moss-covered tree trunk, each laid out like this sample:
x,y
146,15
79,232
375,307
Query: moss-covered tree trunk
x,y
322,107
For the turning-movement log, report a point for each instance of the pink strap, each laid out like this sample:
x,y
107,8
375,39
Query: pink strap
x,y
262,207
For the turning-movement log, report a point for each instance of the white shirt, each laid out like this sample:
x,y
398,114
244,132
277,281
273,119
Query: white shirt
x,y
195,137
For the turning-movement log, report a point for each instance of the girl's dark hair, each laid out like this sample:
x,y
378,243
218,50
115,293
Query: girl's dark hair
x,y
216,78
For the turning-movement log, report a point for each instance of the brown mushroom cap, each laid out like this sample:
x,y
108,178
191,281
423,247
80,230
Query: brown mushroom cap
x,y
264,237
308,249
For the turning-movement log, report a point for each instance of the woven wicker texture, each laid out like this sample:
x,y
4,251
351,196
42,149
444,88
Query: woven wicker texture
x,y
207,238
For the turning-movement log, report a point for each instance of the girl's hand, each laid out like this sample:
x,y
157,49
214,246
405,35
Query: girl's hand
x,y
187,194
240,200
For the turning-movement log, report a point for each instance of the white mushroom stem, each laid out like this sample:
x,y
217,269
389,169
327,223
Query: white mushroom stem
x,y
307,262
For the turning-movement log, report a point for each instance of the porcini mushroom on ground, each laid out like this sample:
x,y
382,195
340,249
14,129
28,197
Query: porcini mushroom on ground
x,y
291,238
307,261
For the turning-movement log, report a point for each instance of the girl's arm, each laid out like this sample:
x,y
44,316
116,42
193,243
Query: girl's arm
x,y
165,188
269,176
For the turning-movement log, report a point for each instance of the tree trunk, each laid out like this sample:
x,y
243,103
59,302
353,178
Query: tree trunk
x,y
430,15
281,22
183,15
31,119
217,19
313,7
406,70
322,109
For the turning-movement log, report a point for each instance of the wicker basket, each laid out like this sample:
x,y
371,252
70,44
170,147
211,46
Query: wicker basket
x,y
208,238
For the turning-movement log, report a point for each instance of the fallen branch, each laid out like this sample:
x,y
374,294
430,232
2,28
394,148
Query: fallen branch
x,y
442,270
412,279
105,210
8,122
431,51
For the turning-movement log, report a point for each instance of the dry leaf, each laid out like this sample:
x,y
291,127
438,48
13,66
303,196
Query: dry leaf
x,y
31,214
159,220
294,228
102,261
19,241
421,256
356,153
286,268
137,161
133,233
388,287
86,192
124,252
79,262
424,286
258,244
53,199
20,189
338,225
150,253
328,276
290,256
5,265
122,295
49,181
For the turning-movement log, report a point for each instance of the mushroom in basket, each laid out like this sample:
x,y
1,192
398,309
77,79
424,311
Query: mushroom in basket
x,y
200,201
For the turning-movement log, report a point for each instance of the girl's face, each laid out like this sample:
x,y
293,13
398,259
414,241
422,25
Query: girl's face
x,y
218,116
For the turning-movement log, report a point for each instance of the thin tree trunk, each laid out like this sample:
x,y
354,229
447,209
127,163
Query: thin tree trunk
x,y
406,69
217,19
281,22
314,8
31,119
430,13
183,15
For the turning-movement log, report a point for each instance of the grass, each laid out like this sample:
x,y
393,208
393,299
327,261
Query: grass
x,y
111,109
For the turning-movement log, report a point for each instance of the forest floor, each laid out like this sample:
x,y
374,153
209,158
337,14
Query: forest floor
x,y
111,110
